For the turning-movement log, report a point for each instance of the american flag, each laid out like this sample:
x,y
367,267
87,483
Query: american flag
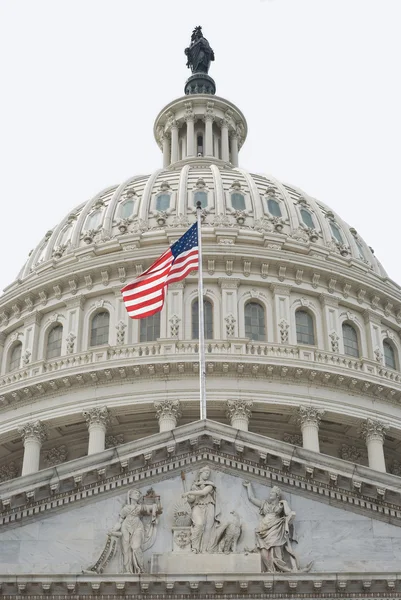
x,y
145,295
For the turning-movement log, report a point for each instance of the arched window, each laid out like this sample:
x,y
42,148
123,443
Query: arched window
x,y
389,355
336,233
255,327
360,249
200,197
274,207
207,318
14,362
199,144
54,339
93,220
66,235
304,327
350,339
100,329
163,202
127,208
150,328
307,218
238,201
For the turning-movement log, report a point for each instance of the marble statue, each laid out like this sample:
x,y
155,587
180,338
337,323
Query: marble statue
x,y
202,499
274,534
135,535
230,534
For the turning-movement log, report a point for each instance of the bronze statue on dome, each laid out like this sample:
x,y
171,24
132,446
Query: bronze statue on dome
x,y
199,53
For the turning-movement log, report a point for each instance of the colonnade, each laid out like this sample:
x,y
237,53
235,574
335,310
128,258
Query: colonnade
x,y
168,412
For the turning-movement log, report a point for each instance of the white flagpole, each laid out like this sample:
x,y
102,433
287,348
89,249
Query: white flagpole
x,y
202,365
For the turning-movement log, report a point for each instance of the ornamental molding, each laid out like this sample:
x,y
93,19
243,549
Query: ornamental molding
x,y
97,416
33,430
240,453
55,456
309,415
373,430
239,409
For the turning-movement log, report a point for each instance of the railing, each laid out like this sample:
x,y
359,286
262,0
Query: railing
x,y
166,349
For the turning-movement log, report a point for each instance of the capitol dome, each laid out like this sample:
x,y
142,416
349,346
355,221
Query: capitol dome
x,y
302,327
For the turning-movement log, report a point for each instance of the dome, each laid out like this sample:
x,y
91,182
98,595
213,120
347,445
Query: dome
x,y
302,327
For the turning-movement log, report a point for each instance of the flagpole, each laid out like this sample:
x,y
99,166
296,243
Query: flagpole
x,y
202,365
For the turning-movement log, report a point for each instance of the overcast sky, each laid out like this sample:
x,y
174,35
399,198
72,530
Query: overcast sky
x,y
83,80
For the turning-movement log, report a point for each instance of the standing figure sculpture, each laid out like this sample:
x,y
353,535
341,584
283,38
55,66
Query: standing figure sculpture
x,y
274,534
204,514
136,537
199,53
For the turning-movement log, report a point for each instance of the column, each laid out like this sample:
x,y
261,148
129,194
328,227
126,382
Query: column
x,y
167,413
97,420
73,331
209,118
309,418
229,306
332,338
239,412
234,149
31,337
174,142
373,327
225,154
190,119
373,433
166,149
183,148
282,315
216,153
33,435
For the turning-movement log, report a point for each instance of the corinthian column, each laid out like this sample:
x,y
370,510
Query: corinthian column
x,y
166,149
33,434
97,420
309,419
224,141
167,413
234,148
373,432
239,412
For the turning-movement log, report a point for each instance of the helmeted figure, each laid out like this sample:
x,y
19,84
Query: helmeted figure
x,y
199,53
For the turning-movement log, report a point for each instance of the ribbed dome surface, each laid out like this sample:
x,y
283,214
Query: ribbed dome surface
x,y
233,199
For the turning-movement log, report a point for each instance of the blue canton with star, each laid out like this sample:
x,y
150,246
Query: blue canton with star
x,y
186,242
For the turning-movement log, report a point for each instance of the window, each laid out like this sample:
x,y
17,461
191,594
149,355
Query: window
x,y
54,340
350,339
15,357
127,209
100,329
199,145
163,202
238,201
274,207
304,327
255,327
66,235
150,328
360,249
207,317
307,218
389,355
200,197
93,220
336,233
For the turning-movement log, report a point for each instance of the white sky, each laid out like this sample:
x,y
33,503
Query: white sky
x,y
83,80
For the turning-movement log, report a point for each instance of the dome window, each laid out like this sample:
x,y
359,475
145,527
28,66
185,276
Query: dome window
x,y
100,329
127,209
54,340
93,221
238,201
207,318
274,207
200,197
360,250
336,233
307,218
150,328
350,339
389,355
255,327
14,362
162,202
304,328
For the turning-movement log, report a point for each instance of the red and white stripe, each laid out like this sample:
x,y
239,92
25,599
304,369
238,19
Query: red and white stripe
x,y
145,296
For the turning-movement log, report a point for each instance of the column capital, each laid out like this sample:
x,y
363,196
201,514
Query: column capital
x,y
167,408
239,409
309,415
228,283
372,429
33,430
97,416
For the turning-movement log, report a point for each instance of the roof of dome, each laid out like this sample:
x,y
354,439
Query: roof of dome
x,y
132,209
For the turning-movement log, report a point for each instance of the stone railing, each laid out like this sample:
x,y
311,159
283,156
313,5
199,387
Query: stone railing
x,y
299,357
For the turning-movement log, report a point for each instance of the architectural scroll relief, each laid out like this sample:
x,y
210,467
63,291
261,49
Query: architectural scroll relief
x,y
134,532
